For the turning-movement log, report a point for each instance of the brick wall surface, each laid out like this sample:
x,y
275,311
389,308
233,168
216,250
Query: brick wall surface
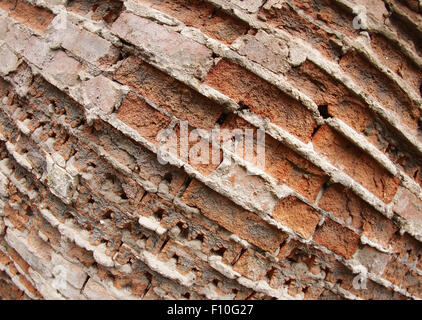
x,y
89,209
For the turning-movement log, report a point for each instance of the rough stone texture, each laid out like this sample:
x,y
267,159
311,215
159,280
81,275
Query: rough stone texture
x,y
90,207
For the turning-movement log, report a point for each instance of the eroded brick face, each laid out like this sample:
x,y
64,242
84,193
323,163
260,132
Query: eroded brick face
x,y
92,91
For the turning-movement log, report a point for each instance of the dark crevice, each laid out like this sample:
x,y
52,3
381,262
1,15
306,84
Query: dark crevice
x,y
238,256
323,111
315,131
222,118
243,106
164,243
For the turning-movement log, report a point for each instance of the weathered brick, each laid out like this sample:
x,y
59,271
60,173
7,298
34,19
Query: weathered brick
x,y
9,61
168,93
17,218
374,260
36,18
281,15
190,147
267,50
395,272
101,93
37,51
297,215
357,164
223,27
232,217
262,98
349,208
64,69
332,97
202,15
330,13
191,12
136,113
107,10
376,84
89,47
392,57
167,45
409,206
337,238
280,161
7,5
251,265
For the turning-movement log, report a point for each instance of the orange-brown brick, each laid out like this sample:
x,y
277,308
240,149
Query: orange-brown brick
x,y
136,113
7,5
357,164
262,98
297,215
18,219
251,265
330,13
232,217
337,238
17,259
392,57
376,84
177,98
281,162
348,207
282,16
34,17
333,95
202,15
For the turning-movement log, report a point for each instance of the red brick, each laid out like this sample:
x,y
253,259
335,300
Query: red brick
x,y
262,98
223,27
349,208
413,283
18,219
34,17
326,92
17,259
7,5
330,13
232,217
297,215
337,238
168,93
357,164
136,113
251,265
377,85
395,272
202,15
393,58
282,16
281,162
193,13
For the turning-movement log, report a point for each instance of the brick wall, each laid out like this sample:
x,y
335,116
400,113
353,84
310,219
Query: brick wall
x,y
88,209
